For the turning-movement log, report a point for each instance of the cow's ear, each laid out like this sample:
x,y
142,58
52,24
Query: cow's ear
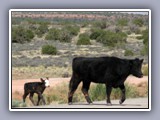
x,y
47,78
136,59
142,60
41,79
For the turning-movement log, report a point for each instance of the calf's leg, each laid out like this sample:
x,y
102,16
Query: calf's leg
x,y
38,100
40,96
85,89
31,98
24,96
122,87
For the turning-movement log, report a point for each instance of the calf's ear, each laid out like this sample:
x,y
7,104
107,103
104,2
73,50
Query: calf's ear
x,y
47,78
41,79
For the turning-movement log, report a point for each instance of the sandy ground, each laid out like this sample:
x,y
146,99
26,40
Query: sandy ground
x,y
17,85
129,103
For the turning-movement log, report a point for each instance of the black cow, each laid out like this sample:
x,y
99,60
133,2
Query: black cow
x,y
111,71
35,87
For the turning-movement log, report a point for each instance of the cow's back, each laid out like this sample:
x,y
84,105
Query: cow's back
x,y
99,69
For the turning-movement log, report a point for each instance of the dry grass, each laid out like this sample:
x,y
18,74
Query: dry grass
x,y
36,72
145,69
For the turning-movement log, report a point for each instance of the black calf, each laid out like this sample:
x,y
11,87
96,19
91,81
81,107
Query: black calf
x,y
35,87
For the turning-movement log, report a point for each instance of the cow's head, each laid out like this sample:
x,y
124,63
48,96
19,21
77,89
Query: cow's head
x,y
136,66
45,81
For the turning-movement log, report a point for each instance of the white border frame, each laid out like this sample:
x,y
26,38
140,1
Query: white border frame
x,y
68,109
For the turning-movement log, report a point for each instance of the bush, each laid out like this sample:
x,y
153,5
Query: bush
x,y
65,36
98,92
73,30
122,22
17,103
108,37
95,33
56,34
111,39
53,34
49,49
100,24
83,40
128,53
41,30
145,36
138,22
21,35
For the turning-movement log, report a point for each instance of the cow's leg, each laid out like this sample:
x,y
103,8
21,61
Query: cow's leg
x,y
24,96
85,89
40,96
122,87
31,98
72,88
108,91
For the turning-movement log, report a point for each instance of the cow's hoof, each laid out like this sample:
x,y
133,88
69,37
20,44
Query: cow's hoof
x,y
109,104
90,103
121,101
70,103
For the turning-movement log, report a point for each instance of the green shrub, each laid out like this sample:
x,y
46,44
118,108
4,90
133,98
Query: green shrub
x,y
21,35
128,53
145,36
98,92
99,24
58,34
83,40
73,30
49,49
108,37
53,34
41,30
65,36
144,51
122,22
95,33
138,22
17,103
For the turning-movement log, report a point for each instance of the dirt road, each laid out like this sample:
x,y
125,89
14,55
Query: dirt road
x,y
129,103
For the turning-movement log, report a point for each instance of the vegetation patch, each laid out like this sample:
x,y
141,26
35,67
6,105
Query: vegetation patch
x,y
84,39
128,53
145,69
49,50
21,35
18,103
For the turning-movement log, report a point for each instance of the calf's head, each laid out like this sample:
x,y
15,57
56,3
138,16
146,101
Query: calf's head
x,y
136,66
45,81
